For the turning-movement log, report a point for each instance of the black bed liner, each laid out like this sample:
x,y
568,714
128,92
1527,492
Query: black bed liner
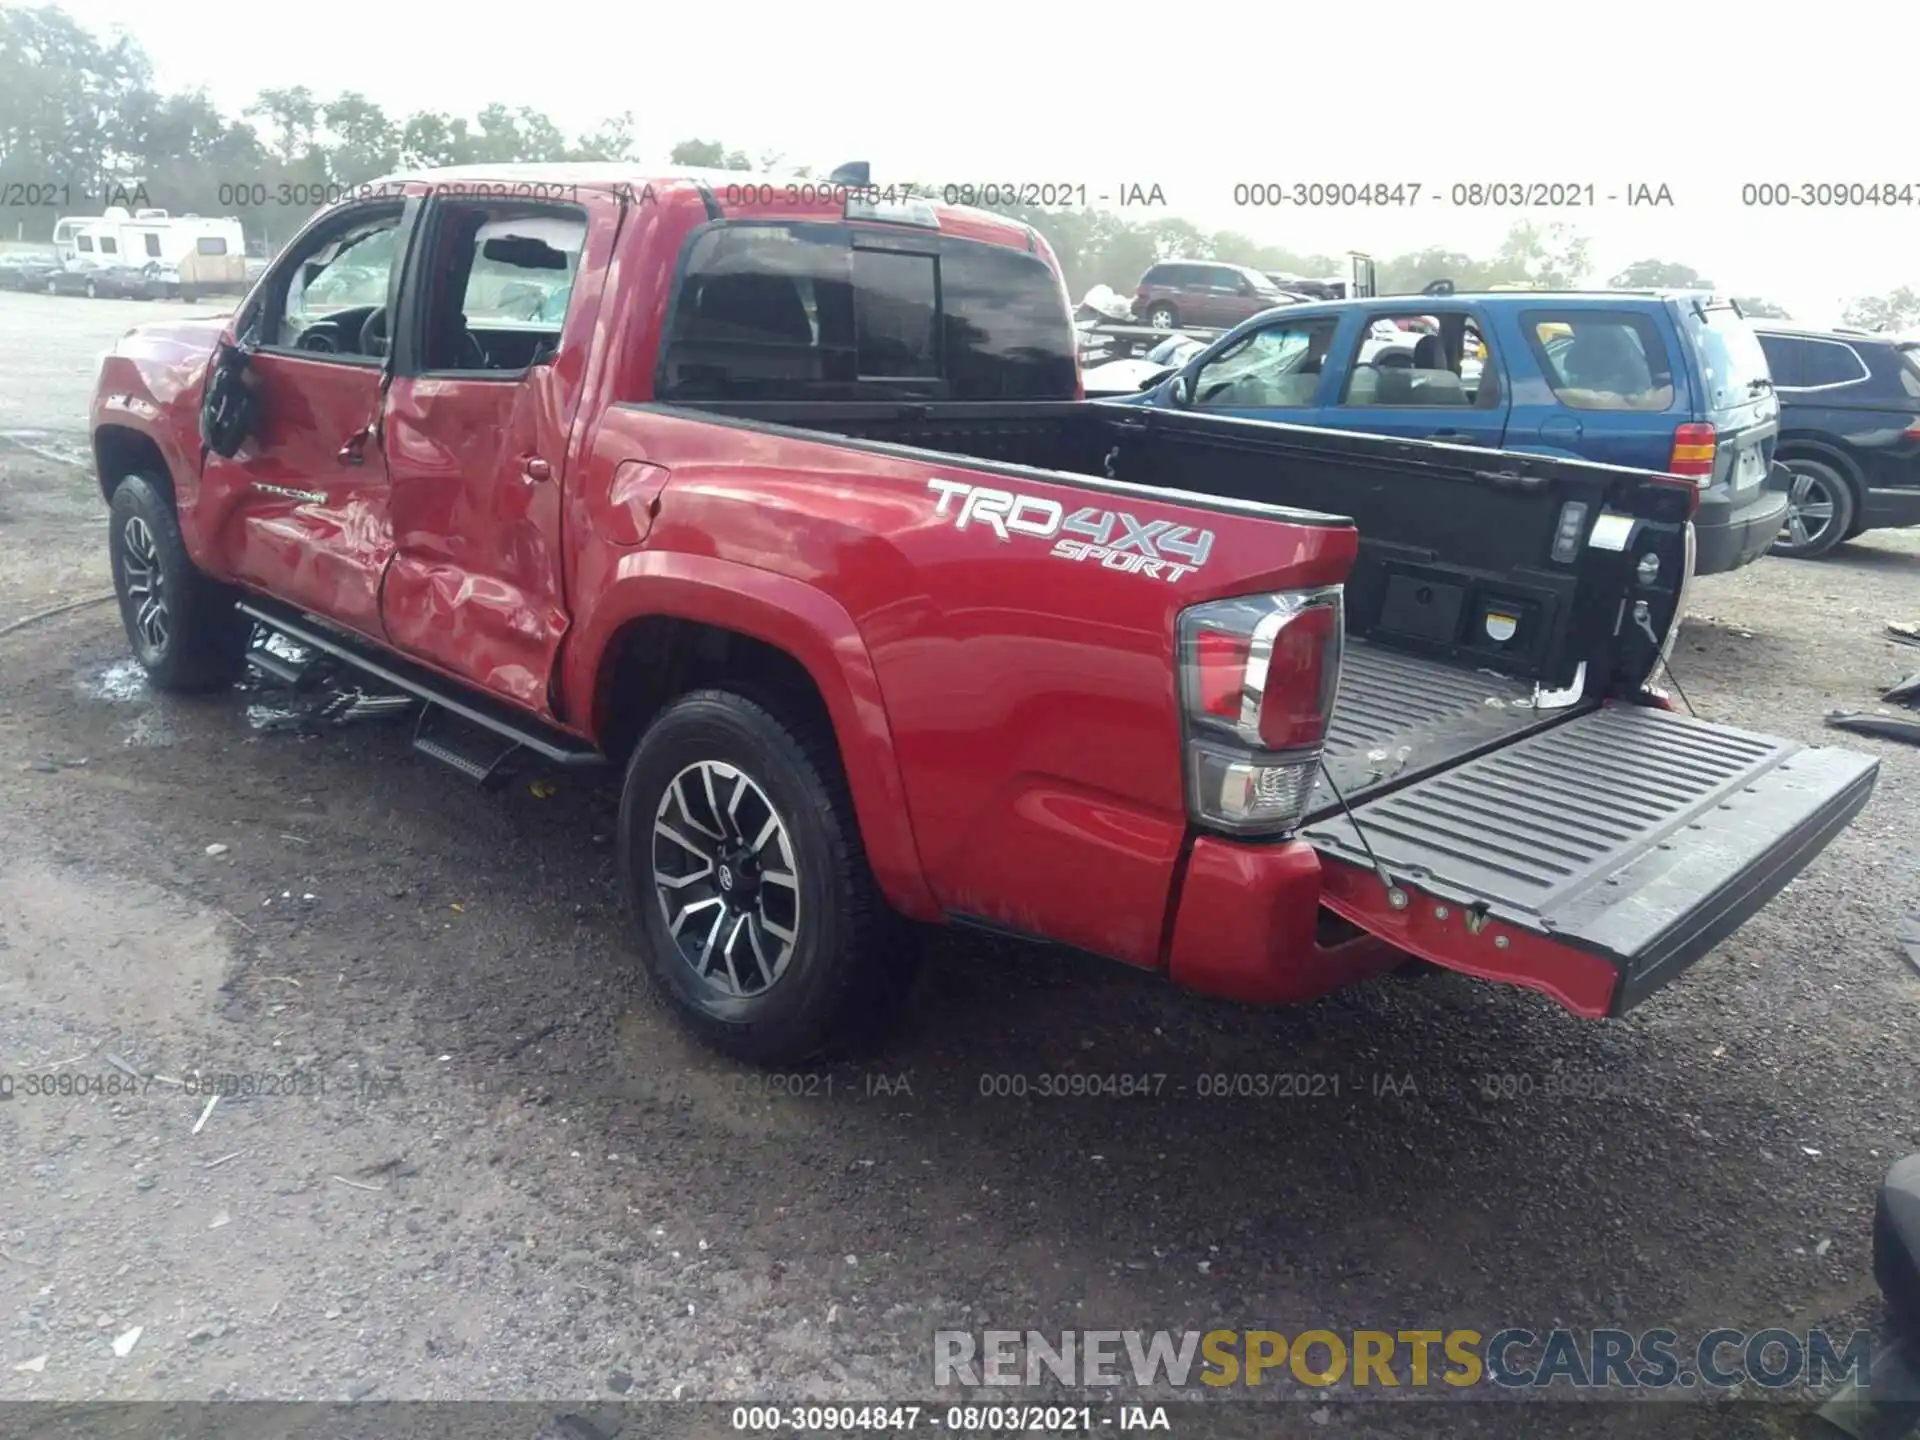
x,y
1398,716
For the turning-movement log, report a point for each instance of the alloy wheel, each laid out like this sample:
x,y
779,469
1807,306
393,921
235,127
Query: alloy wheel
x,y
146,585
723,868
1810,507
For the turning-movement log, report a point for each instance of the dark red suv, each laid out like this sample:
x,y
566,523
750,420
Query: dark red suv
x,y
1203,293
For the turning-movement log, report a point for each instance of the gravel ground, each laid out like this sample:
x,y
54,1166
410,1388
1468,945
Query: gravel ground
x,y
502,1173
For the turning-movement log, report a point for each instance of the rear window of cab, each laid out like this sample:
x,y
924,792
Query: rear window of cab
x,y
1601,359
810,311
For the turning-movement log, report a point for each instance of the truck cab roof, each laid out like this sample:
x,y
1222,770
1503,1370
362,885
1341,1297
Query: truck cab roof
x,y
728,194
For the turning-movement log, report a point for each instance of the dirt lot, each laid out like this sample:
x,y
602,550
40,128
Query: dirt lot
x,y
502,1173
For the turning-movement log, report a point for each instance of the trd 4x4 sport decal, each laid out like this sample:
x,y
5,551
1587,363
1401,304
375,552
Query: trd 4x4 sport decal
x,y
1113,539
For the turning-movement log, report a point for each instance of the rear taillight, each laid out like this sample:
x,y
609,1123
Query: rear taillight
x,y
1258,676
1693,447
1912,432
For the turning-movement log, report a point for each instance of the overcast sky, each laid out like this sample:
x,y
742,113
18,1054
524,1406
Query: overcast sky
x,y
1703,98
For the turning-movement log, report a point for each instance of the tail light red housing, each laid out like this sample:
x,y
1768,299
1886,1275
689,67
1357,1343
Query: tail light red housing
x,y
1693,451
1258,679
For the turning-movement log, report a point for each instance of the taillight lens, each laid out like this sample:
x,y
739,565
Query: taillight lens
x,y
1693,447
1258,677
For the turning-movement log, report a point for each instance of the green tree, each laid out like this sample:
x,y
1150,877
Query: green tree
x,y
1759,309
1552,256
709,155
1899,310
365,144
613,140
292,115
66,99
430,138
1659,275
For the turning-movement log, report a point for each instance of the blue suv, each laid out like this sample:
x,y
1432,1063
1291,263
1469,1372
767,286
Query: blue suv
x,y
1651,380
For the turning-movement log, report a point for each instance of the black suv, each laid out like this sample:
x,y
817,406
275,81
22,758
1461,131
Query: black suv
x,y
1849,432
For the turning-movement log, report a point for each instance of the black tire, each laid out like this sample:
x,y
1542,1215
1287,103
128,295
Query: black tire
x,y
200,642
1161,316
1822,507
851,960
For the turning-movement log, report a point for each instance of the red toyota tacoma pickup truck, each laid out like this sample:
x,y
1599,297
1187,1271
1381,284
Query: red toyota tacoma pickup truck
x,y
784,499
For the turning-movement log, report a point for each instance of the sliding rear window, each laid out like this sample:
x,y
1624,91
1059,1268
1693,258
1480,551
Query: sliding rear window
x,y
838,312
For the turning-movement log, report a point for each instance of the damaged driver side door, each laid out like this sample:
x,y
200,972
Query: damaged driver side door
x,y
301,508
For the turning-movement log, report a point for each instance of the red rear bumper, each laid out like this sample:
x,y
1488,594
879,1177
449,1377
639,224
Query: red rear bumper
x,y
1247,923
1247,929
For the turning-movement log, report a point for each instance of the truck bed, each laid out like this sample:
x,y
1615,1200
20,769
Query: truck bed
x,y
1456,562
1399,716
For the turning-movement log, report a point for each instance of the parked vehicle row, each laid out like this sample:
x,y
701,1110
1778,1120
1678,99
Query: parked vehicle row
x,y
1849,433
794,514
1846,459
1675,383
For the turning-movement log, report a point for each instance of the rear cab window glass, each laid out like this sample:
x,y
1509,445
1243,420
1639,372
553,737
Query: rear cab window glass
x,y
1731,360
816,311
1604,360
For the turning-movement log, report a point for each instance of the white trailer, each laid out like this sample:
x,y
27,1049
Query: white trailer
x,y
187,255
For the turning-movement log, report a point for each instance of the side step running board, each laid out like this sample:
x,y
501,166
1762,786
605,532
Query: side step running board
x,y
432,737
521,731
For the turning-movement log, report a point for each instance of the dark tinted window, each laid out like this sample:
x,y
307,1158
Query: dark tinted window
x,y
1602,360
1830,363
1785,357
153,243
83,242
1160,275
770,312
896,315
109,246
1910,370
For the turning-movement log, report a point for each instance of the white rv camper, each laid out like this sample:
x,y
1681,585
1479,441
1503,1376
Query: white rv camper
x,y
186,255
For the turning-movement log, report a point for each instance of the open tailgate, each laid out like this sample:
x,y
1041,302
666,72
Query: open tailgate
x,y
1594,860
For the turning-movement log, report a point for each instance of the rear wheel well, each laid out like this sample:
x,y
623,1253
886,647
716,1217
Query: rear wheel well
x,y
119,452
654,660
1811,449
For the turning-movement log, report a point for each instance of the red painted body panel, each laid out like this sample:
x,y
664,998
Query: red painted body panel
x,y
1038,748
326,555
477,583
1246,927
1007,718
150,386
1583,982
